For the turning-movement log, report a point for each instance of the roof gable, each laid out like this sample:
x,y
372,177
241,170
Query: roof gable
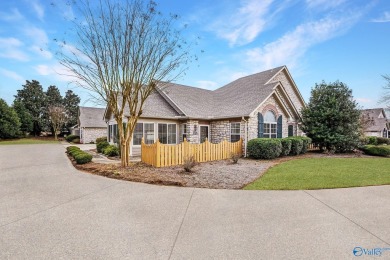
x,y
91,117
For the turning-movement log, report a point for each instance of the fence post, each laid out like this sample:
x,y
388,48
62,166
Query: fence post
x,y
158,161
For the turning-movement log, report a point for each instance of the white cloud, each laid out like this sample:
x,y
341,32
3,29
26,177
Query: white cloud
x,y
10,48
384,18
246,24
324,4
11,16
12,74
38,9
206,84
363,100
42,52
55,70
288,49
36,35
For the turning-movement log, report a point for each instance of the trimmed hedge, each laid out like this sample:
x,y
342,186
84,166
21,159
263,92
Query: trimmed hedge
x,y
378,150
306,143
286,146
111,150
101,139
296,145
264,148
70,138
372,140
101,146
383,140
80,156
83,158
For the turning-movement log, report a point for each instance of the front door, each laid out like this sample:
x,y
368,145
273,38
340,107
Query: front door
x,y
204,133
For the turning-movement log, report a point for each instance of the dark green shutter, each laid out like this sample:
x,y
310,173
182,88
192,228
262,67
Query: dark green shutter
x,y
260,130
109,133
279,126
290,130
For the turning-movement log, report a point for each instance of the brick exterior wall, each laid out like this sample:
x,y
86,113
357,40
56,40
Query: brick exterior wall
x,y
219,131
193,131
90,134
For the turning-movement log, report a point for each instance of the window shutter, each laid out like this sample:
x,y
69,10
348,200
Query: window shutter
x,y
279,126
260,130
290,130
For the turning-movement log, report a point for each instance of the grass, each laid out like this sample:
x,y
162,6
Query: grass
x,y
324,173
28,141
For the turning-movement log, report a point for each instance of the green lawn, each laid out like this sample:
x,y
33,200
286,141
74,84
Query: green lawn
x,y
324,173
28,141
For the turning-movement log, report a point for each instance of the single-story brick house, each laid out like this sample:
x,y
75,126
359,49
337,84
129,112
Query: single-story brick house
x,y
380,124
91,124
265,104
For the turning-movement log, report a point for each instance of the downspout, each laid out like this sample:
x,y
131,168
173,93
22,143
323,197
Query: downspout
x,y
245,134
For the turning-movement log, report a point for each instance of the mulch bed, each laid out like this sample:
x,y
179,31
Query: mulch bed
x,y
215,175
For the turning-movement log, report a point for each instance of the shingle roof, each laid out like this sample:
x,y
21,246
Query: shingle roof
x,y
236,99
157,107
91,117
379,123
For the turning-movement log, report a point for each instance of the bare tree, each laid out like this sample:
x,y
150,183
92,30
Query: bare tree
x,y
386,96
365,122
125,48
58,118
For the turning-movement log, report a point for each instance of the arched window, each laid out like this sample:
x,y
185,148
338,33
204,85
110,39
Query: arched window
x,y
269,125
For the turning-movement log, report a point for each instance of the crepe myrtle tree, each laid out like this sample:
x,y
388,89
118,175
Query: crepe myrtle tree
x,y
386,95
58,117
124,49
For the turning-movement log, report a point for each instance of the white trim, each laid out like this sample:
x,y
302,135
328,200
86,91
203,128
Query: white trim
x,y
289,100
277,97
257,108
293,84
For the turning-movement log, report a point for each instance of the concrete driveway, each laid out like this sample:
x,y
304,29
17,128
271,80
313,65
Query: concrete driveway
x,y
49,210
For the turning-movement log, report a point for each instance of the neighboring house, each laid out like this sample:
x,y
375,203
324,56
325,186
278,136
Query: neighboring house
x,y
91,124
380,126
266,104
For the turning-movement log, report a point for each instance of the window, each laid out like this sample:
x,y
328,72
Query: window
x,y
269,125
149,133
167,133
138,132
109,133
171,133
234,132
115,133
184,131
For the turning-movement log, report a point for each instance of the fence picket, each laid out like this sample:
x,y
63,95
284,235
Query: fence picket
x,y
160,155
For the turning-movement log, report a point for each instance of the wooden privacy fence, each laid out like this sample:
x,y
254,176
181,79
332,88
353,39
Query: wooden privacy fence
x,y
161,155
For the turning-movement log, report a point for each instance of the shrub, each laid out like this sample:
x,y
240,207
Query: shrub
x,y
189,163
306,143
378,150
101,146
69,148
111,150
101,139
382,140
83,158
363,141
264,148
70,138
286,146
372,140
296,145
76,141
235,157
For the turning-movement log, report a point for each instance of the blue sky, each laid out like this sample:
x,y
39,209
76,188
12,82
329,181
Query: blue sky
x,y
317,40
